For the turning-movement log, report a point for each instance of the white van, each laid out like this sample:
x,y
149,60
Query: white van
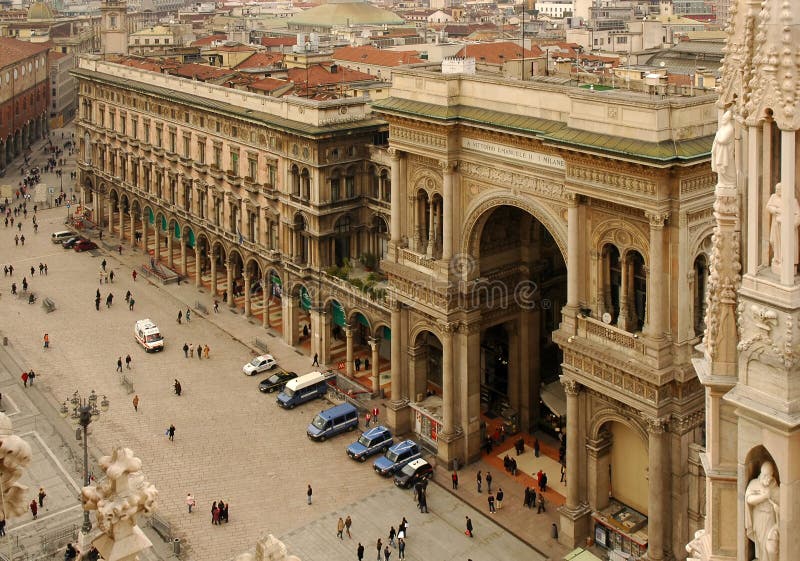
x,y
148,335
59,237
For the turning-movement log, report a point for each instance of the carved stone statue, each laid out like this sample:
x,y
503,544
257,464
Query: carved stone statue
x,y
118,501
762,498
15,454
775,209
722,152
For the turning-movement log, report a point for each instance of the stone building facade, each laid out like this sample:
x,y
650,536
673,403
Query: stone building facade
x,y
530,233
541,231
749,366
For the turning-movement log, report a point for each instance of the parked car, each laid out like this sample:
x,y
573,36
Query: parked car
x,y
397,457
69,243
333,421
413,472
276,382
377,439
84,245
62,236
259,364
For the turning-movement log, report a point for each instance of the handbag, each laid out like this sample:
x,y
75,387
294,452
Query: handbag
x,y
166,432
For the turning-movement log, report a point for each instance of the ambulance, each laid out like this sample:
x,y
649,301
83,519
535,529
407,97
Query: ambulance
x,y
148,335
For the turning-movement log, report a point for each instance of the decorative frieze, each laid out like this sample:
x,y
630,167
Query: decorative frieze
x,y
508,180
416,137
692,185
610,375
604,178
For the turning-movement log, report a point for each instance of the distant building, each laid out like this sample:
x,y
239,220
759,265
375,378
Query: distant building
x,y
24,96
159,39
63,92
375,62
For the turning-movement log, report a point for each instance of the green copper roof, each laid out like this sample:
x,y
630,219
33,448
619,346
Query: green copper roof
x,y
554,132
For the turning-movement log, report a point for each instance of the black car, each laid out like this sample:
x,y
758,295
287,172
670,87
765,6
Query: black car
x,y
276,381
414,472
70,243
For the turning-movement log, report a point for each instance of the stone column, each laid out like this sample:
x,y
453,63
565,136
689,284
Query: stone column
x,y
265,293
656,496
753,208
788,204
144,232
574,515
374,345
394,228
246,294
157,240
622,319
348,333
170,239
291,305
121,223
656,285
198,280
431,228
213,274
448,381
183,255
397,358
110,215
229,278
573,242
133,230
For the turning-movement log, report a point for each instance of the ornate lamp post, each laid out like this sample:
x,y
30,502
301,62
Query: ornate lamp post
x,y
83,410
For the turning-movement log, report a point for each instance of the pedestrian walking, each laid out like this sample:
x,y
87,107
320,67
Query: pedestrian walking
x,y
180,315
24,379
171,432
216,307
315,362
469,531
491,503
380,547
136,403
544,482
206,350
199,352
42,495
31,377
128,361
386,553
215,514
109,300
455,479
128,296
499,498
375,413
45,269
309,492
479,480
97,303
554,531
191,350
392,534
186,350
360,552
34,508
489,481
367,419
2,527
340,528
347,523
130,304
22,239
177,386
111,276
541,508
190,502
103,265
401,548
188,315
46,341
119,364
133,274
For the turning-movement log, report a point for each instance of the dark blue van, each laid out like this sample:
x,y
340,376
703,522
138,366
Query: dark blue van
x,y
377,439
333,421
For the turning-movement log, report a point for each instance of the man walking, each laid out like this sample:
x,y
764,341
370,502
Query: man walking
x,y
499,498
46,341
119,364
128,361
190,502
360,552
455,480
24,379
315,362
489,481
340,528
309,493
347,523
171,432
491,503
186,350
469,528
479,480
136,403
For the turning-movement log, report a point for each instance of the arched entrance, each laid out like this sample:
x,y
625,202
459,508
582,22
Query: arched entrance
x,y
235,280
273,316
426,381
254,291
342,240
520,309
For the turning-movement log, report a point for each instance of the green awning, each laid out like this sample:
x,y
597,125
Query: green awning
x,y
305,299
150,216
362,320
338,314
177,231
163,222
191,240
275,279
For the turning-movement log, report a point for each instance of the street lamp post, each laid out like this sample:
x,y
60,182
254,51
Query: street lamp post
x,y
83,410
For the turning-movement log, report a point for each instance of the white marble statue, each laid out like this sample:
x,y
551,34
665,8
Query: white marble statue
x,y
15,454
775,209
722,152
761,513
118,501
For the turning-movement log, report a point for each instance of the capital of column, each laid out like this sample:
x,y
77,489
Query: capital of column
x,y
373,342
572,199
448,166
571,387
348,330
657,219
656,425
448,328
394,154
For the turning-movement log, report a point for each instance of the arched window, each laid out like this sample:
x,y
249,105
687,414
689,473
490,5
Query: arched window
x,y
295,181
639,304
386,186
611,282
700,283
350,183
336,186
305,178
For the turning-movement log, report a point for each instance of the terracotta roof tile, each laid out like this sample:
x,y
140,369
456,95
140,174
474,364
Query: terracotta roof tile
x,y
268,84
278,41
319,75
498,53
260,60
200,72
15,51
208,40
377,57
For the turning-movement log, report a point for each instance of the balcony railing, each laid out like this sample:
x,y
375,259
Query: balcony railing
x,y
597,331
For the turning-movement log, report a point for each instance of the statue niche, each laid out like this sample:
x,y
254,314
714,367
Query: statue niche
x,y
762,507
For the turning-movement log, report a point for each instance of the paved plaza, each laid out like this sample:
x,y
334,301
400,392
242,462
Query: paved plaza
x,y
231,443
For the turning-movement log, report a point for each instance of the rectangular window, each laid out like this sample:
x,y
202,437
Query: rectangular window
x,y
159,136
173,141
147,132
123,124
252,168
218,155
273,172
134,127
201,151
234,161
187,145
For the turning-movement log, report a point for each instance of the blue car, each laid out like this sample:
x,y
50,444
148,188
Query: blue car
x,y
376,439
397,457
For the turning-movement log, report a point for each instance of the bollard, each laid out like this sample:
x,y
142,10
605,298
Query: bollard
x,y
176,546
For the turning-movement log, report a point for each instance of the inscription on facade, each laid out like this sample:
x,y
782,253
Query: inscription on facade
x,y
494,149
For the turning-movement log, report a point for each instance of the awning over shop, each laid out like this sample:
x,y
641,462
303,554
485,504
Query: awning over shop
x,y
305,299
554,397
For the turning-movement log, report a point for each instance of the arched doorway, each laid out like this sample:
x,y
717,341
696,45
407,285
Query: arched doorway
x,y
273,306
520,309
426,377
341,240
235,279
253,289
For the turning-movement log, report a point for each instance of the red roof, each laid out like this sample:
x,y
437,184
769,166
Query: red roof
x,y
260,60
200,72
377,57
278,41
498,53
55,55
15,51
269,85
319,75
208,40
